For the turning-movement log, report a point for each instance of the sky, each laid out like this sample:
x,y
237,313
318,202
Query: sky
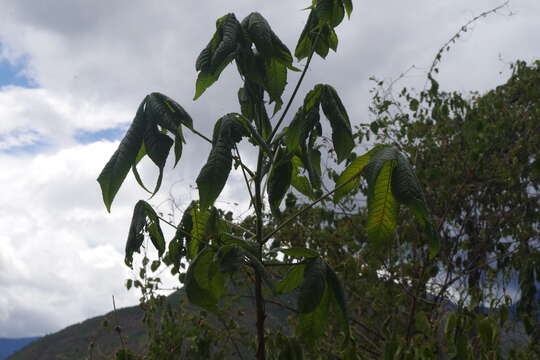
x,y
73,72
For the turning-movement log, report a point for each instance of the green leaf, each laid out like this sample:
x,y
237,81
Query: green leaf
x,y
144,219
279,180
422,323
157,146
292,280
312,325
330,11
290,349
338,296
113,174
382,207
304,47
301,184
348,7
167,113
350,177
313,286
215,172
219,52
450,326
199,218
299,252
275,81
204,282
407,190
254,135
339,121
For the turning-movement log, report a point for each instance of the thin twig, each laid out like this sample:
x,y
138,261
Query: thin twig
x,y
117,328
300,212
464,28
245,177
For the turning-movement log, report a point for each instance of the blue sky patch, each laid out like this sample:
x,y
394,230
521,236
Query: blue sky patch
x,y
12,71
22,141
12,74
88,137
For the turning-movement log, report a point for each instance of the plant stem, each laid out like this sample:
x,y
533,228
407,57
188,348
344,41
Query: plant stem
x,y
259,299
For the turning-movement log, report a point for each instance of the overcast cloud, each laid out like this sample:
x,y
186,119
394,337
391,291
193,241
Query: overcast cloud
x,y
86,65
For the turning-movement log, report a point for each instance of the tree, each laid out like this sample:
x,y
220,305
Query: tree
x,y
287,157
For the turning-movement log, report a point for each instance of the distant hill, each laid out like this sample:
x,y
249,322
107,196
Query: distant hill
x,y
74,341
9,346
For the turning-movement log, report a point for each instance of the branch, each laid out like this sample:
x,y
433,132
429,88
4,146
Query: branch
x,y
453,39
300,212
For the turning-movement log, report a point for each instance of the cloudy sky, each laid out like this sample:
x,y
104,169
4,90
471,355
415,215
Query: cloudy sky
x,y
72,74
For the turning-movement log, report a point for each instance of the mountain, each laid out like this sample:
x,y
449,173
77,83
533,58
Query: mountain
x,y
9,346
90,339
74,342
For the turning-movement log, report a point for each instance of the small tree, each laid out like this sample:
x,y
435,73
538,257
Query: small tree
x,y
287,157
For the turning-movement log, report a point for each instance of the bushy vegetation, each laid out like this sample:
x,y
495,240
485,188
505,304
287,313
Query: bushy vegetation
x,y
426,246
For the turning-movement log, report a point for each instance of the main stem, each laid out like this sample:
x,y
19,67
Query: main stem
x,y
259,299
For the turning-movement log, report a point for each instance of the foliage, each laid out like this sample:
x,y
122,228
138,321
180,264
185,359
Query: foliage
x,y
398,261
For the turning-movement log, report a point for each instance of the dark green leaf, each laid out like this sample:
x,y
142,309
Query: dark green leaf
x,y
279,180
339,121
330,11
348,7
313,286
144,219
215,172
300,252
113,174
336,288
292,280
312,325
219,52
157,146
204,282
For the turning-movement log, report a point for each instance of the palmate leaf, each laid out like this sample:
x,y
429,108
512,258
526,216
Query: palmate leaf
x,y
313,286
335,112
144,219
318,34
279,180
145,137
275,55
115,171
219,52
215,172
382,207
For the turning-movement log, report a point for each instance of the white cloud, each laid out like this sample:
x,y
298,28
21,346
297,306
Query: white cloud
x,y
61,254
